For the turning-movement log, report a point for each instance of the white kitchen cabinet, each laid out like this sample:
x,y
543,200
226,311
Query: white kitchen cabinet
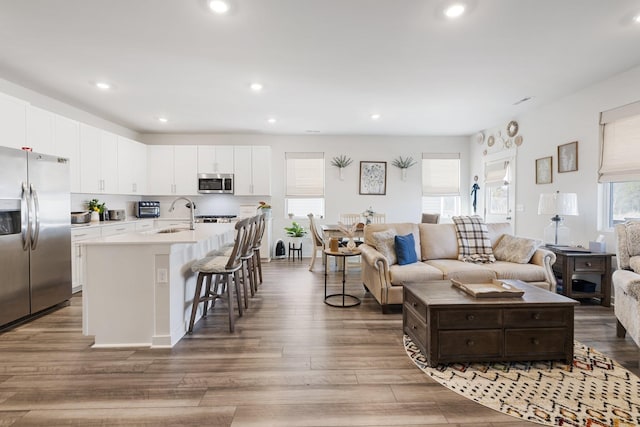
x,y
13,122
67,144
215,158
252,171
172,169
98,161
40,130
77,254
113,229
132,167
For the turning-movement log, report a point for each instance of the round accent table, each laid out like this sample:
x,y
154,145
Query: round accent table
x,y
343,253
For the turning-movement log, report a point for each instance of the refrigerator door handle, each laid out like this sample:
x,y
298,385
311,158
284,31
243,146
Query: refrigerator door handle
x,y
35,228
25,218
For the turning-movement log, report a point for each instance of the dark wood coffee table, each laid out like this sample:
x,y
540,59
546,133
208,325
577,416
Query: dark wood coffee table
x,y
449,325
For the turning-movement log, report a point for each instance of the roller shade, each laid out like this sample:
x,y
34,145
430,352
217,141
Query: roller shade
x,y
305,174
440,174
620,144
497,173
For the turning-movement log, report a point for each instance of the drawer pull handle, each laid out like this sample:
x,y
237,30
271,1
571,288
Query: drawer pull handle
x,y
413,304
414,327
470,317
470,343
536,316
588,264
535,341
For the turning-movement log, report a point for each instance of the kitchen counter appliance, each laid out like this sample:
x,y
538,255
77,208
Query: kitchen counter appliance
x,y
35,233
147,209
117,215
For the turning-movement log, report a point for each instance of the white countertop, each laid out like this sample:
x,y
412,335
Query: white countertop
x,y
126,221
203,231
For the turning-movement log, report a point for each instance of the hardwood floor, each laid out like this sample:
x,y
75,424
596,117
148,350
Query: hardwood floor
x,y
293,361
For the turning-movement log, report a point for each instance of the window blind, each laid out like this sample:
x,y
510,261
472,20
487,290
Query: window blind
x,y
497,173
440,174
620,144
305,174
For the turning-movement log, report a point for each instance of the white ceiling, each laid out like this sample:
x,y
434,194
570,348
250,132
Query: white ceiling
x,y
325,65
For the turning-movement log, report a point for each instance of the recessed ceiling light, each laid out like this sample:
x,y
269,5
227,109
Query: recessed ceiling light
x,y
219,6
163,119
256,87
103,85
375,116
636,19
454,11
271,120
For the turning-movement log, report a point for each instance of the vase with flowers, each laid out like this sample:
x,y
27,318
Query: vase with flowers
x,y
100,210
265,208
368,215
350,233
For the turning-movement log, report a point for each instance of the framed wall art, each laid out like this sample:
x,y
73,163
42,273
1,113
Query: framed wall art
x,y
373,178
544,170
568,157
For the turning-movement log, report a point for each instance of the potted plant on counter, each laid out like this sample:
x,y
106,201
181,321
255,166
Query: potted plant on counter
x,y
100,209
264,207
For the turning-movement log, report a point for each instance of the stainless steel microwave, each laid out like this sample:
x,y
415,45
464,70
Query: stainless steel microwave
x,y
212,183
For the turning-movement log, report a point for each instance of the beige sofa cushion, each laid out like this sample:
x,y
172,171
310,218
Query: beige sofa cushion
x,y
633,238
515,249
416,272
401,229
438,241
384,243
496,230
634,263
463,271
510,270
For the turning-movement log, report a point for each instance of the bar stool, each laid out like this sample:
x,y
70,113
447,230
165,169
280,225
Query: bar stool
x,y
226,270
262,223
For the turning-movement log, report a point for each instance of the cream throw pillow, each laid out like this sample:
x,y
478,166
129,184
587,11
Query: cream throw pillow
x,y
516,249
384,243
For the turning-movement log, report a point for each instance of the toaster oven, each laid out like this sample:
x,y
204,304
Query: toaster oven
x,y
147,209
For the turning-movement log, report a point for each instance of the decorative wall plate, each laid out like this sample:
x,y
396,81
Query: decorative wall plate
x,y
491,140
479,138
512,128
508,143
518,140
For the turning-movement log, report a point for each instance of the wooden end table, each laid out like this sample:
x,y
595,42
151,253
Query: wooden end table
x,y
449,325
570,263
343,253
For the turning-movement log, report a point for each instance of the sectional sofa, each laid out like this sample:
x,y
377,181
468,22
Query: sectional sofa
x,y
436,247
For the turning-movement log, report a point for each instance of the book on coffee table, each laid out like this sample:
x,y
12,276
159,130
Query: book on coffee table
x,y
497,289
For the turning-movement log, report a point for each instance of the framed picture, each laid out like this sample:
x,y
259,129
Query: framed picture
x,y
544,170
373,178
568,157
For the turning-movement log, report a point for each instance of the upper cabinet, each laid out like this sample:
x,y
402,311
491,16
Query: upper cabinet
x,y
215,159
252,171
132,166
13,122
40,130
98,160
172,169
66,140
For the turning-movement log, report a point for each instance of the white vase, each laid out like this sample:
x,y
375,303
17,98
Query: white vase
x,y
340,174
351,245
95,216
403,174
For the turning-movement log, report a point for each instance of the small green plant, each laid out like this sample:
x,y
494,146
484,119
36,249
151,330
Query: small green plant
x,y
295,230
341,161
401,163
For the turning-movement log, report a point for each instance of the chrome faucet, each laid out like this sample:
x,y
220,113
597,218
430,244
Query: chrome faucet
x,y
190,205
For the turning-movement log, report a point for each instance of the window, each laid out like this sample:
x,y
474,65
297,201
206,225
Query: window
x,y
304,184
441,184
619,167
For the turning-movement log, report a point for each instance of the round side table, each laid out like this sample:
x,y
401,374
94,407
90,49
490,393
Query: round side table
x,y
343,253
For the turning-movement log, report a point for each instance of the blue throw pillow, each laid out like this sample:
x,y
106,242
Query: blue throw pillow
x,y
406,249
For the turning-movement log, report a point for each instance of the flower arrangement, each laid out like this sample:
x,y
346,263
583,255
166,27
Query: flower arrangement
x,y
94,205
368,214
295,230
403,163
263,205
350,232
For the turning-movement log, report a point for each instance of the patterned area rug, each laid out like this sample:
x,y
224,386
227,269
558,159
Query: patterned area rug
x,y
593,391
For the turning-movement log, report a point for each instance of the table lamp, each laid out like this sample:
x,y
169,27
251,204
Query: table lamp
x,y
557,204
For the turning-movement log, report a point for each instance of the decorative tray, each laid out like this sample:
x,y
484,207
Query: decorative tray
x,y
497,289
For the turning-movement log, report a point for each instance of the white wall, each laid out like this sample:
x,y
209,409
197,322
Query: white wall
x,y
402,203
573,118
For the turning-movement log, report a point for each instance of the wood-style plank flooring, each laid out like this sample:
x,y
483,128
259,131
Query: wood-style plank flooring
x,y
293,361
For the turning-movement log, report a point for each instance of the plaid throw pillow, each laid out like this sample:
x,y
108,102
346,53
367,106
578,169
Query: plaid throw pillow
x,y
473,240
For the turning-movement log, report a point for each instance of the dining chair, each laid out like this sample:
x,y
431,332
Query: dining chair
x,y
350,218
318,242
430,218
378,218
226,271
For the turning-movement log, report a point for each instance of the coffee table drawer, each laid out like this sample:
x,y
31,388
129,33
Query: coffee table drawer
x,y
589,264
524,342
420,307
535,318
469,319
415,328
464,345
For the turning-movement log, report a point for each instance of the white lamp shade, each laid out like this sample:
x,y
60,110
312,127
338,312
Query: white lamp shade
x,y
558,204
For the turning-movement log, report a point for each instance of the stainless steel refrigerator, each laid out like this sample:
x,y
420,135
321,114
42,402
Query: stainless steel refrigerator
x,y
35,233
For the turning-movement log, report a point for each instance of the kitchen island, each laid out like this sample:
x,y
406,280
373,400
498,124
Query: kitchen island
x,y
139,286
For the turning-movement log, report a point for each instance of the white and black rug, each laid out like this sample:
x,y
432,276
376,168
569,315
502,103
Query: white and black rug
x,y
593,391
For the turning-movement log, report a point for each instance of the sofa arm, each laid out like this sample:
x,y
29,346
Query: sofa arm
x,y
546,259
375,272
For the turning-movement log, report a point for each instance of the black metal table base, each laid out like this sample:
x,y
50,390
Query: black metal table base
x,y
356,301
343,305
